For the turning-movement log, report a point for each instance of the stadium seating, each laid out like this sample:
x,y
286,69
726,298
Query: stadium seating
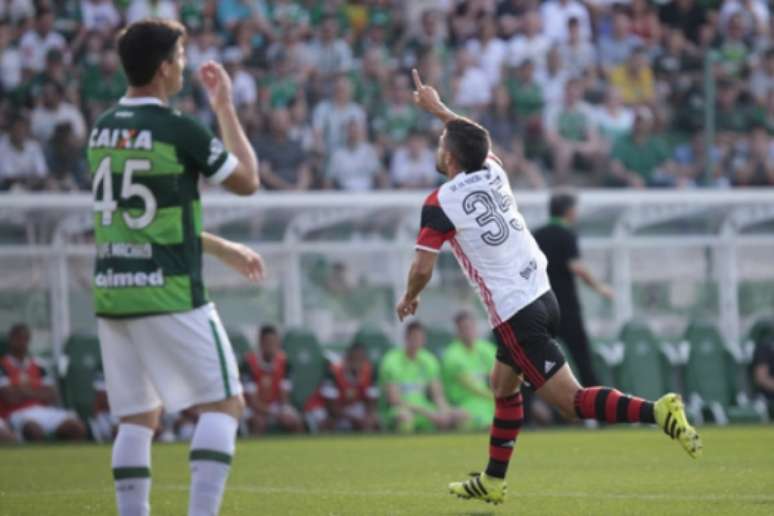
x,y
710,377
307,362
643,371
83,360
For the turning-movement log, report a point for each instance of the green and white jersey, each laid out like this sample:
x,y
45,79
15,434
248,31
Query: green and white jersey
x,y
145,160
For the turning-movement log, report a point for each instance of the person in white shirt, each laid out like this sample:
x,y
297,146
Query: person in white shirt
x,y
556,14
413,164
140,9
52,110
578,53
331,53
532,45
35,43
10,59
613,119
330,117
355,166
755,14
244,90
23,164
490,49
203,47
100,15
474,90
552,77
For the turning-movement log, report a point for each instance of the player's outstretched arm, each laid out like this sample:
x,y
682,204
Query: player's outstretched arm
x,y
239,257
419,276
427,98
244,180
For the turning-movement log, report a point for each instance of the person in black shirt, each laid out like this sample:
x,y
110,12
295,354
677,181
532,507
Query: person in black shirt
x,y
559,243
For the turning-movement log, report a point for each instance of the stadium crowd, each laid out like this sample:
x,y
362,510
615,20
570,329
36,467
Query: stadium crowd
x,y
594,93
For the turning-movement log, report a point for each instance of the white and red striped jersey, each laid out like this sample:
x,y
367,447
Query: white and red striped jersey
x,y
476,213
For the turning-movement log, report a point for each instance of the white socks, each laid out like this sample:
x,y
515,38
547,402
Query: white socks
x,y
131,469
212,447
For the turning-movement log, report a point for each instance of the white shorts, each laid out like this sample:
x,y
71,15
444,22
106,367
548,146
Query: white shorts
x,y
176,360
48,418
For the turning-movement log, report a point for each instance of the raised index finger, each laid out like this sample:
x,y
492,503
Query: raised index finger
x,y
417,81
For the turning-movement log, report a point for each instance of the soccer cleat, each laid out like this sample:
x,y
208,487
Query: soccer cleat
x,y
480,487
670,416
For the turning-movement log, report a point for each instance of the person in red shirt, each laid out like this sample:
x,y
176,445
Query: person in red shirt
x,y
346,399
27,394
266,380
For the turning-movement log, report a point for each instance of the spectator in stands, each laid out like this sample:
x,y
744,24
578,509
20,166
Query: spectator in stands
x,y
691,162
398,116
752,162
686,16
732,113
244,89
355,166
490,49
37,41
331,117
413,164
139,9
266,379
102,85
577,52
762,369
473,87
754,16
53,110
331,54
346,399
466,365
572,134
99,15
762,79
613,119
645,22
532,45
556,14
23,164
615,48
284,164
66,163
733,47
27,394
411,389
642,158
634,79
10,59
526,95
553,78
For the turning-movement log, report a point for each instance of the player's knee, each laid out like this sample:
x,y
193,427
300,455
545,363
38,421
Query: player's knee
x,y
32,431
566,408
234,406
148,419
505,391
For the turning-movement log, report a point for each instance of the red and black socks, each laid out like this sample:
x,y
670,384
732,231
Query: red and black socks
x,y
612,406
508,418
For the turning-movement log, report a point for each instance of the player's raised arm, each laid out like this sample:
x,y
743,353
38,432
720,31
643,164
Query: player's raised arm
x,y
244,180
427,98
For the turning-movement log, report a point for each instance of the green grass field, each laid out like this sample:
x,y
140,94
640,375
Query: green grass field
x,y
616,472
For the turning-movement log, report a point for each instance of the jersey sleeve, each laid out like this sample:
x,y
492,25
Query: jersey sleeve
x,y
435,226
572,250
205,151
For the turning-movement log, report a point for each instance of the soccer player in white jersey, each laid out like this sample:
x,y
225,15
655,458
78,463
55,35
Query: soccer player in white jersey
x,y
475,212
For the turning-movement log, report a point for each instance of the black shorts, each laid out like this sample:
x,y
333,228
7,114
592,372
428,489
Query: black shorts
x,y
527,341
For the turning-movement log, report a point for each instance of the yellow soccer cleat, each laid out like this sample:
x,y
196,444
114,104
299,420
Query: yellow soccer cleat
x,y
480,487
670,416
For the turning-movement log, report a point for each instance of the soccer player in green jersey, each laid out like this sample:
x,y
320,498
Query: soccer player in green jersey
x,y
162,342
466,365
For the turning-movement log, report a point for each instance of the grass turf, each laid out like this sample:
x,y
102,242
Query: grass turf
x,y
610,471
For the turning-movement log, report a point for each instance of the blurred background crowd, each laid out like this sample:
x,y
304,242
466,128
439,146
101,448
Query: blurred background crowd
x,y
599,93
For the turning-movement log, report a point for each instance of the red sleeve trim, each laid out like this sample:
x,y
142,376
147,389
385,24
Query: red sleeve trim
x,y
432,239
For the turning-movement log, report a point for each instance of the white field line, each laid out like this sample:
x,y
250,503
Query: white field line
x,y
291,490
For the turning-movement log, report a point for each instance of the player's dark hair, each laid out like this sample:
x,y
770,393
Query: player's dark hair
x,y
144,45
268,329
561,203
462,315
468,143
414,326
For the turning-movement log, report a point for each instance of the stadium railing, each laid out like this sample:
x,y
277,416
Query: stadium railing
x,y
337,261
